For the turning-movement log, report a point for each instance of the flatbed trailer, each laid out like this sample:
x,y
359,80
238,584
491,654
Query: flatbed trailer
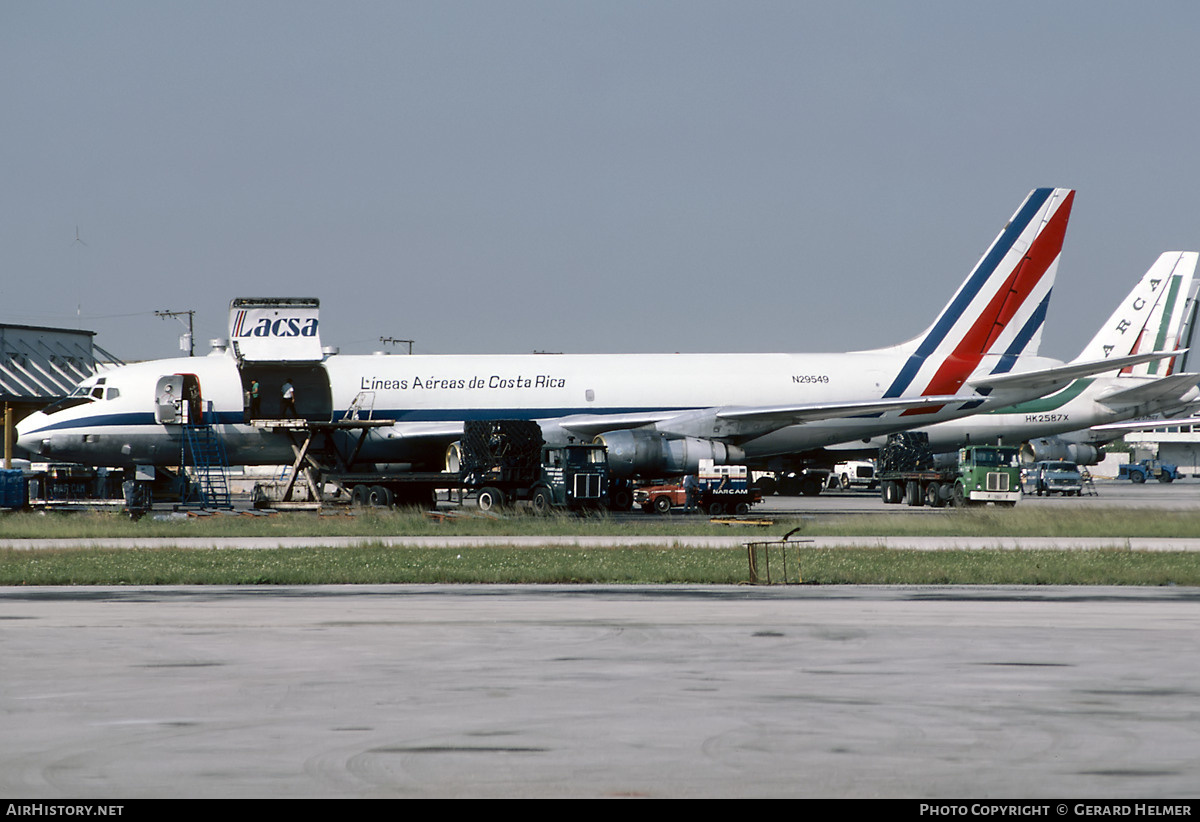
x,y
385,489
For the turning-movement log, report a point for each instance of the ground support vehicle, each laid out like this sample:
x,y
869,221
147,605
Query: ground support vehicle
x,y
1057,477
853,474
1141,471
503,462
507,461
69,486
908,472
721,489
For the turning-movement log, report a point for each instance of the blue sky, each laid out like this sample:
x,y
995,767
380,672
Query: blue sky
x,y
581,176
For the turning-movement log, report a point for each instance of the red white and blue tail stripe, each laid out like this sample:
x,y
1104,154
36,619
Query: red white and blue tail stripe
x,y
1000,308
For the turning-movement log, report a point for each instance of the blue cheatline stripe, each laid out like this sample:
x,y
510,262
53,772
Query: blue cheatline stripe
x,y
460,414
980,276
101,421
399,415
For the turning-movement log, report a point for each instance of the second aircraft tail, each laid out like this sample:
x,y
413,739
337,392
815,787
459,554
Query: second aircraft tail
x,y
1151,318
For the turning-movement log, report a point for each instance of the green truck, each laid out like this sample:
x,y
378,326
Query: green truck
x,y
908,472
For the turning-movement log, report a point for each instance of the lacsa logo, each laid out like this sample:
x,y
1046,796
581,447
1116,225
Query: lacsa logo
x,y
280,327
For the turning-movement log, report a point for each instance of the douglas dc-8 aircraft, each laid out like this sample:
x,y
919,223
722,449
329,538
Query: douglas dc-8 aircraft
x,y
1151,318
659,414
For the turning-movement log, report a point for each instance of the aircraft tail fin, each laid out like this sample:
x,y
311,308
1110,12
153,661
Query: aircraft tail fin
x,y
1153,317
1000,307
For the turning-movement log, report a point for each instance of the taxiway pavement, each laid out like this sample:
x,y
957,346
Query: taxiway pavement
x,y
599,691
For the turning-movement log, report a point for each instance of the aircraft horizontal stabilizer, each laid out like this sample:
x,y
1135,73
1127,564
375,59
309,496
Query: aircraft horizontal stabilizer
x,y
1052,379
1166,388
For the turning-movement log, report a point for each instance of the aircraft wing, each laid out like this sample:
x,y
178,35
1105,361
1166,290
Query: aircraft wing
x,y
1049,380
736,421
589,425
784,415
718,423
1165,388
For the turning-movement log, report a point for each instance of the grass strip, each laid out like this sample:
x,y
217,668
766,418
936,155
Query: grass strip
x,y
981,522
648,565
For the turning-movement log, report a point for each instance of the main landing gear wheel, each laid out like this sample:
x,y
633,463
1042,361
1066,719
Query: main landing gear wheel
x,y
810,486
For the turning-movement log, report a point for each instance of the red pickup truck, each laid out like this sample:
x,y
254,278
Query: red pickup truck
x,y
714,500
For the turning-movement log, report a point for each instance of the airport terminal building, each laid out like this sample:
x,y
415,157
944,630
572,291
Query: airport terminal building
x,y
39,365
1176,444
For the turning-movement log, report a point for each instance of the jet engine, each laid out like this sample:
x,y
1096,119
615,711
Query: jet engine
x,y
1054,448
649,453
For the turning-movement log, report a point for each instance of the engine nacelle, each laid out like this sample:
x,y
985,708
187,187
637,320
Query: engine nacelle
x,y
454,457
649,453
1053,448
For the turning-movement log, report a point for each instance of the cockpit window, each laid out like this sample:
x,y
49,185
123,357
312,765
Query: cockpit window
x,y
113,393
80,395
69,402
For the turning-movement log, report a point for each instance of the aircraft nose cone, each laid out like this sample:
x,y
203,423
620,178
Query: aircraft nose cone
x,y
29,439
